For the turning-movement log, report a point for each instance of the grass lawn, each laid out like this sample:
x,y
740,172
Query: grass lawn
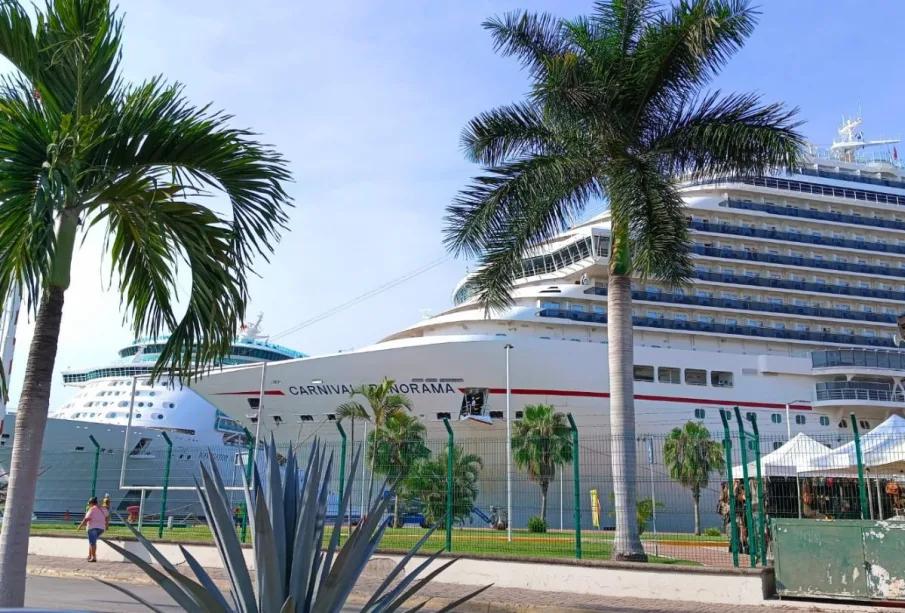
x,y
595,545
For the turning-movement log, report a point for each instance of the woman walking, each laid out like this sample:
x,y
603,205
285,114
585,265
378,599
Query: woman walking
x,y
96,522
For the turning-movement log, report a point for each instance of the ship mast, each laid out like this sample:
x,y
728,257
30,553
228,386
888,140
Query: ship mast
x,y
851,139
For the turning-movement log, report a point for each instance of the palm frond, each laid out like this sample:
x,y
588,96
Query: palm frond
x,y
351,410
532,37
682,49
623,20
732,135
17,38
654,214
505,132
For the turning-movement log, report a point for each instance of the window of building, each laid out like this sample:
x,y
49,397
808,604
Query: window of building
x,y
801,420
694,376
644,373
699,413
669,374
719,378
824,420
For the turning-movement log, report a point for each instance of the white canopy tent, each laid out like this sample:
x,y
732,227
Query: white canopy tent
x,y
882,453
786,461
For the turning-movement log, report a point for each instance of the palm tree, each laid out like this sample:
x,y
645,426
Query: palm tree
x,y
542,441
401,445
351,411
427,481
384,403
691,455
616,111
85,150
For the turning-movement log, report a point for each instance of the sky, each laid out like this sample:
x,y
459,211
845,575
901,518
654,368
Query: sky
x,y
367,99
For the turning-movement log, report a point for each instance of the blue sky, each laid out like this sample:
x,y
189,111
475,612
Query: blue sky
x,y
367,99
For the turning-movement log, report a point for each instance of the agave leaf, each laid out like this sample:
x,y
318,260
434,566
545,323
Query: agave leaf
x,y
453,605
407,581
340,516
395,604
419,607
226,538
320,521
131,595
276,507
305,548
204,579
194,590
362,552
290,503
399,567
205,505
288,606
270,587
169,586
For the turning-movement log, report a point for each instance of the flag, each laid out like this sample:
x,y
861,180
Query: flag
x,y
595,508
895,154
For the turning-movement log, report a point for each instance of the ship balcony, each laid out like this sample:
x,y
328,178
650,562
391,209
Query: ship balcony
x,y
882,362
868,399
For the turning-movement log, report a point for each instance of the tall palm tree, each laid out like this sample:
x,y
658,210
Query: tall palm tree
x,y
384,403
542,441
691,456
401,445
84,150
616,111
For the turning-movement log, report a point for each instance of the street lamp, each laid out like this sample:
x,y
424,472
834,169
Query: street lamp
x,y
508,449
789,436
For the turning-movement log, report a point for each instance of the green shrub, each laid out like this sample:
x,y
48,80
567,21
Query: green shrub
x,y
644,511
712,532
537,525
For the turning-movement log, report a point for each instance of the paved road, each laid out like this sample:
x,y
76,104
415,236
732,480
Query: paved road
x,y
87,595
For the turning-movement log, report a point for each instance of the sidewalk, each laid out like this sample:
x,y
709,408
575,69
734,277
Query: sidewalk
x,y
494,600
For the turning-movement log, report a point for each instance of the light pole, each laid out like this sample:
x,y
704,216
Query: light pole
x,y
508,449
789,436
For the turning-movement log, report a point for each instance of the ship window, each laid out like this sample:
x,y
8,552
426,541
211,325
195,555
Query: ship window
x,y
776,418
751,446
864,424
306,417
777,445
138,416
699,413
253,419
169,405
277,419
519,414
254,403
669,374
141,404
824,420
331,416
124,403
152,393
644,373
158,416
150,404
441,416
800,420
549,305
720,379
693,376
750,416
496,415
111,415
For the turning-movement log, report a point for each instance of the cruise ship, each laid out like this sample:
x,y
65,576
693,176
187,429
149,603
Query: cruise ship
x,y
96,421
798,286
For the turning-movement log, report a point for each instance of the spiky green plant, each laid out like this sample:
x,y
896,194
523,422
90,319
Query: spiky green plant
x,y
294,573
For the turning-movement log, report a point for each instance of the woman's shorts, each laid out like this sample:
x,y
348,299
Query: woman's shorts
x,y
93,535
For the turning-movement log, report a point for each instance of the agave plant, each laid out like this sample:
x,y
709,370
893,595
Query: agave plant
x,y
294,573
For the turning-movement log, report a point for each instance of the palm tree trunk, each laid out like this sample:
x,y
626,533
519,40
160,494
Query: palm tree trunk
x,y
543,500
697,514
627,544
31,421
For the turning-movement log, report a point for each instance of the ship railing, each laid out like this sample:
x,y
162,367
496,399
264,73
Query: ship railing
x,y
850,390
855,358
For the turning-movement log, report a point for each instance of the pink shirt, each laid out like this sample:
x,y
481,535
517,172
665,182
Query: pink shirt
x,y
97,518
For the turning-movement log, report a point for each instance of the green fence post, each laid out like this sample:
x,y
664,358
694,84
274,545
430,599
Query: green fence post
x,y
576,486
166,484
342,463
761,533
249,467
730,487
749,518
861,489
450,484
97,459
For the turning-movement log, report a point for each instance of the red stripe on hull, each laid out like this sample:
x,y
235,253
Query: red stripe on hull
x,y
254,393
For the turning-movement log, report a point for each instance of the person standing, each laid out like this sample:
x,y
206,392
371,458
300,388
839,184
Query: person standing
x,y
96,522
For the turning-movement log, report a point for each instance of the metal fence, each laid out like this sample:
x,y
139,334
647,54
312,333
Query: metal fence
x,y
547,508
